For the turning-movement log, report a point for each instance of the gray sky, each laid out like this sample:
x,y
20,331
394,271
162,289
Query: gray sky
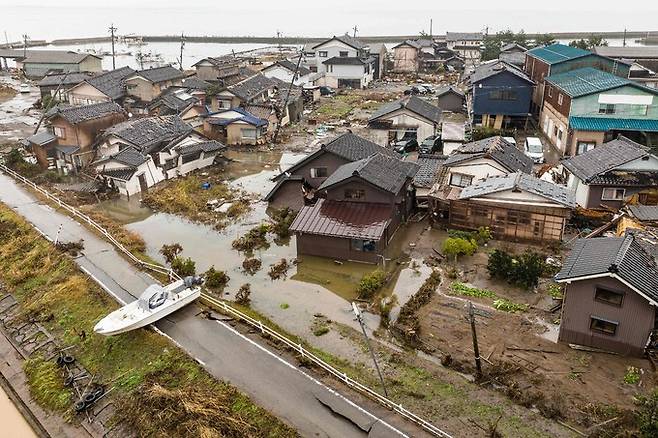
x,y
60,18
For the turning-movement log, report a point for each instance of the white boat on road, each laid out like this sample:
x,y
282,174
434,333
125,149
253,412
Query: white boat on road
x,y
154,304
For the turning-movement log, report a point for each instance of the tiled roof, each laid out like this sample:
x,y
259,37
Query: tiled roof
x,y
648,213
557,53
511,46
464,36
124,173
604,124
410,43
495,67
348,60
350,220
352,147
149,133
345,39
42,138
292,67
161,74
112,83
56,57
72,78
449,89
128,156
412,103
621,257
194,83
385,172
588,80
495,148
252,87
524,182
175,100
84,113
429,166
604,158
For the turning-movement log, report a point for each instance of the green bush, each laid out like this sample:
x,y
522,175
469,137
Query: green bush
x,y
646,414
457,246
370,284
183,267
632,376
481,236
461,289
216,279
509,306
522,271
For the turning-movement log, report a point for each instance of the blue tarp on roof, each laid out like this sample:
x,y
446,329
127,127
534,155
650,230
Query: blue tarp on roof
x,y
603,124
246,117
556,53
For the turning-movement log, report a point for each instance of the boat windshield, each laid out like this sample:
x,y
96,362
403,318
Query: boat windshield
x,y
154,296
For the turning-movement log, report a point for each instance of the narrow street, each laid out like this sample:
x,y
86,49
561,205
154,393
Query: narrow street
x,y
264,375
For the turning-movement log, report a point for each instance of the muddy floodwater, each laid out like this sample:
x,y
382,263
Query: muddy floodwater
x,y
13,423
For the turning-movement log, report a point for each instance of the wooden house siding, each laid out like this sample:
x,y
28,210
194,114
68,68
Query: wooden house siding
x,y
635,317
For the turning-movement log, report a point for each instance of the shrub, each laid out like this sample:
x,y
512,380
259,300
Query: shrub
x,y
251,265
461,289
14,160
320,331
371,283
632,376
278,270
457,246
509,306
646,414
242,297
216,279
481,236
282,220
523,271
408,324
555,291
170,252
183,267
256,238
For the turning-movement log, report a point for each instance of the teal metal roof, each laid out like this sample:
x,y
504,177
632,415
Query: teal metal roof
x,y
588,80
556,53
603,124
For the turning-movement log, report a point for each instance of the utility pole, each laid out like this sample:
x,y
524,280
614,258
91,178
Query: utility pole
x,y
112,30
431,29
182,46
359,318
25,39
285,102
355,29
278,39
624,37
476,348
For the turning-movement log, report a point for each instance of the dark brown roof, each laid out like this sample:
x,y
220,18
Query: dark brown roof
x,y
350,220
84,113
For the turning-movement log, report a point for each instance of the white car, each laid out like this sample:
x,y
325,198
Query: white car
x,y
24,88
534,149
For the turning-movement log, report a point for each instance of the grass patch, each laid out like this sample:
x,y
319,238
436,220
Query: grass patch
x,y
509,306
321,331
256,238
458,288
51,290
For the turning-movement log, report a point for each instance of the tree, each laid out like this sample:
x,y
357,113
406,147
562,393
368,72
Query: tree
x,y
183,267
170,252
589,43
544,39
457,246
581,44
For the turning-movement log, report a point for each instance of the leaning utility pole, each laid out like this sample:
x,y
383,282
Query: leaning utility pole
x,y
182,46
476,348
285,102
112,30
359,318
431,29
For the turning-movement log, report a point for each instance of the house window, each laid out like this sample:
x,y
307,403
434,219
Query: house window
x,y
249,133
560,99
559,134
310,54
639,110
355,194
170,163
343,54
191,157
364,245
330,68
603,325
550,91
606,108
503,95
323,53
460,180
313,68
224,104
613,194
608,296
59,132
319,172
584,146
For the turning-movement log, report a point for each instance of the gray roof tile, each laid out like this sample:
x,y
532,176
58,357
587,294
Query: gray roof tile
x,y
112,83
150,133
495,148
161,74
412,103
84,113
429,166
492,68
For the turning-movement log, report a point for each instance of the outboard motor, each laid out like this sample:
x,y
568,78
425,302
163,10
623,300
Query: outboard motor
x,y
192,280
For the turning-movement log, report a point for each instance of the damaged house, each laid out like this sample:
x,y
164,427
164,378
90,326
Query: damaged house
x,y
361,207
139,153
611,294
613,174
409,117
300,182
106,87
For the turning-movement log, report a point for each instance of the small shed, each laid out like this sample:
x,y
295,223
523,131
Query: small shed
x,y
451,99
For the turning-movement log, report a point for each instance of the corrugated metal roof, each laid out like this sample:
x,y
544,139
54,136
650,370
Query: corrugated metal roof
x,y
556,53
602,124
350,220
644,212
588,80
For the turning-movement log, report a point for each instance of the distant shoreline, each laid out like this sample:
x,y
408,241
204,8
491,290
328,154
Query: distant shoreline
x,y
653,35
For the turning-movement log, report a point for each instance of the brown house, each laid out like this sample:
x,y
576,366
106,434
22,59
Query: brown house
x,y
147,85
364,202
611,294
76,129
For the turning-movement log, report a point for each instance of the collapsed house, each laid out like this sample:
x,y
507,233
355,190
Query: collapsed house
x,y
138,154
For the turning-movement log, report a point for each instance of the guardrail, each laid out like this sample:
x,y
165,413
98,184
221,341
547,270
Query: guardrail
x,y
75,212
384,401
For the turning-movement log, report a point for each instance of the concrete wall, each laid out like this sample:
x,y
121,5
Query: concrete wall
x,y
333,49
635,317
405,59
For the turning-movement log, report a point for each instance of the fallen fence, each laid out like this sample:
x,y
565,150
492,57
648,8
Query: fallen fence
x,y
264,329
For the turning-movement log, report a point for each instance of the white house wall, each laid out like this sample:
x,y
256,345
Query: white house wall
x,y
404,118
480,169
333,49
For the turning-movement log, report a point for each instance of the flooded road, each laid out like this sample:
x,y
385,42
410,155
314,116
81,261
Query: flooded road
x,y
13,423
17,121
